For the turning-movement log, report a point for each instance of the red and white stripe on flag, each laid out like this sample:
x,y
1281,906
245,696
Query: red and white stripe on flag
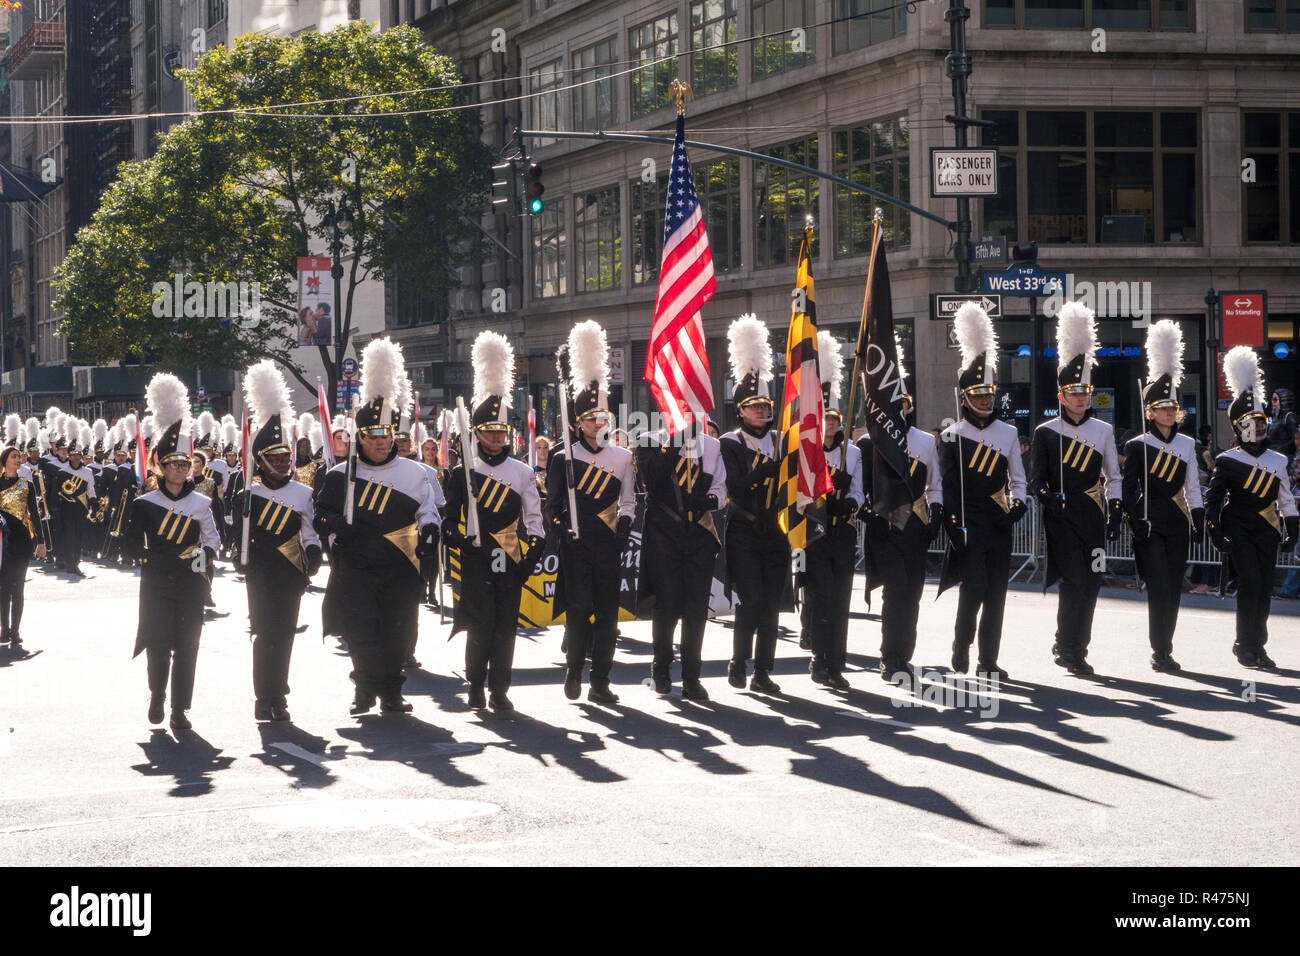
x,y
677,366
327,432
141,459
245,448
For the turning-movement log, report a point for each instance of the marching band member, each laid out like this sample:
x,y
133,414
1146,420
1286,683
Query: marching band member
x,y
983,494
20,514
1074,474
172,534
1249,510
605,498
1162,491
75,492
758,554
505,503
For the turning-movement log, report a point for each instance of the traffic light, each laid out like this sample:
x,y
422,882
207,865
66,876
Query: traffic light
x,y
505,192
1025,253
536,204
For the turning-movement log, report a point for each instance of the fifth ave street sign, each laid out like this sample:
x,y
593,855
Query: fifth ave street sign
x,y
963,171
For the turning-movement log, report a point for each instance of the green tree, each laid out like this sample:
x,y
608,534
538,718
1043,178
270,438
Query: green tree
x,y
238,192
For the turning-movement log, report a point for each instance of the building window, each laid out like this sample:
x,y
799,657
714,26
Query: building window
x,y
713,39
874,155
540,5
548,252
718,187
1107,177
593,93
861,23
770,55
543,85
1273,15
782,199
1272,202
414,309
1090,14
216,11
654,44
597,241
647,228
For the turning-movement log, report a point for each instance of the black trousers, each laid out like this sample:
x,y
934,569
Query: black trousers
x,y
901,564
490,610
273,602
758,566
376,609
429,572
1071,554
71,529
13,581
1161,561
986,565
176,618
1253,558
679,569
592,577
827,594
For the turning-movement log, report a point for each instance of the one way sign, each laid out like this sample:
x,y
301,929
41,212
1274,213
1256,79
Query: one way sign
x,y
943,307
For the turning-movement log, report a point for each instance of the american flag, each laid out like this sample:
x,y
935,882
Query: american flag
x,y
677,366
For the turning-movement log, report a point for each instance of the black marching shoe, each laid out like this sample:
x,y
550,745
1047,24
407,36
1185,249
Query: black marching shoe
x,y
817,671
1265,661
279,712
261,710
411,662
836,681
395,704
891,672
663,683
179,721
992,672
477,699
1081,668
804,643
736,674
362,703
763,684
601,694
500,702
14,640
573,683
1164,663
960,659
694,690
156,710
1061,658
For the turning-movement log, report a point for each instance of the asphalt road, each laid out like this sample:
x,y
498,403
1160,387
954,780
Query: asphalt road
x,y
1130,767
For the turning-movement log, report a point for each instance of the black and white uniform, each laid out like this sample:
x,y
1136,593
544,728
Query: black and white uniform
x,y
375,573
284,552
29,470
77,500
492,575
429,563
176,543
18,511
1161,509
829,562
1249,507
758,553
119,485
898,556
985,460
1084,456
684,482
591,567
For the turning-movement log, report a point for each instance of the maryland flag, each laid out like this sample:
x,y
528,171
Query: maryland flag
x,y
804,475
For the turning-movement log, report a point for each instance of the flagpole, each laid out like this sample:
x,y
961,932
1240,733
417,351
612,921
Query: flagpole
x,y
877,219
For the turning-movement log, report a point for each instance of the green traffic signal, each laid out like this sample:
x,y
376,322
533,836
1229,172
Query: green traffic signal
x,y
537,206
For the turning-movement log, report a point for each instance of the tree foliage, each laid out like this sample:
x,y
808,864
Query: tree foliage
x,y
241,190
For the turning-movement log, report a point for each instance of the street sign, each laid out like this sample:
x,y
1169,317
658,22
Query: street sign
x,y
1245,315
616,375
963,171
944,306
953,343
989,252
201,393
1023,280
348,368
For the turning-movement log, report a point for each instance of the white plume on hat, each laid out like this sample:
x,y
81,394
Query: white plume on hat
x,y
493,358
316,436
830,363
382,371
129,424
1165,352
1076,334
43,438
229,433
749,349
85,439
976,336
169,402
100,430
60,426
267,394
147,428
421,434
114,437
588,357
405,402
305,422
51,417
13,427
33,428
446,423
207,425
1241,369
340,423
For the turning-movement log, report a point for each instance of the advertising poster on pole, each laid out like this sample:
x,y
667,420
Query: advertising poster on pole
x,y
315,301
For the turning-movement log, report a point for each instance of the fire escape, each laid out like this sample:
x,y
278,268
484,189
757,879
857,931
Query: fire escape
x,y
110,83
